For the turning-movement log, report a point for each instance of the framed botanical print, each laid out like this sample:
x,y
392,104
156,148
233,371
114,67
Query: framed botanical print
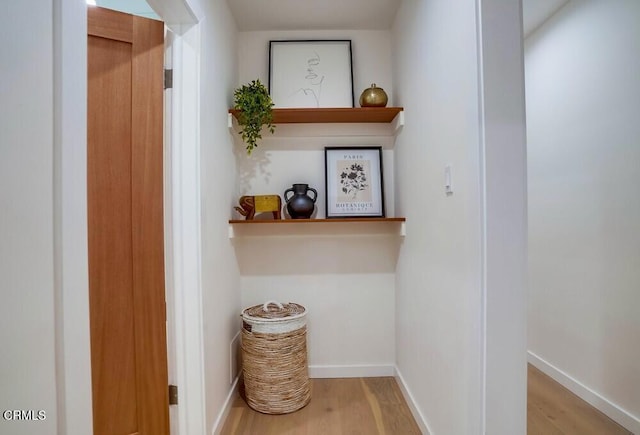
x,y
353,182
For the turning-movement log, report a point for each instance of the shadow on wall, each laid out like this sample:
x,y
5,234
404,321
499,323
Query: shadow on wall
x,y
250,168
317,254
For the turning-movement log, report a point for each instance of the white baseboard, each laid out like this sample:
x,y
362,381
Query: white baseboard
x,y
348,371
417,415
226,409
610,409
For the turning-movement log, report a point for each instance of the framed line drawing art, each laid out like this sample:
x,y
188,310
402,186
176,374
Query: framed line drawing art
x,y
311,73
353,182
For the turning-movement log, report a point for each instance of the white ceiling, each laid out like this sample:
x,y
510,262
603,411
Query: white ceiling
x,y
349,14
328,14
313,15
135,7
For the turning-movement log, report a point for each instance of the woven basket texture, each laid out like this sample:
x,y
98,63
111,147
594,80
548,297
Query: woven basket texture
x,y
275,369
273,312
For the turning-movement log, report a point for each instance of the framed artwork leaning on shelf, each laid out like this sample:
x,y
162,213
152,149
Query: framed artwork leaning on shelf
x,y
353,182
311,74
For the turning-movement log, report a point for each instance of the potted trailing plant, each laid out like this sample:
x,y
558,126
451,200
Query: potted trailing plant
x,y
254,104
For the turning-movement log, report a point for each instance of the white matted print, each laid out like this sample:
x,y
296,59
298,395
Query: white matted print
x,y
310,74
353,181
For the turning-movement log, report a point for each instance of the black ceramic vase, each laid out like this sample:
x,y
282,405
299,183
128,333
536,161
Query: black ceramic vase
x,y
299,204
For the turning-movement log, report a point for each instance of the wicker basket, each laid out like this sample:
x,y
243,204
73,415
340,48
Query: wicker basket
x,y
274,357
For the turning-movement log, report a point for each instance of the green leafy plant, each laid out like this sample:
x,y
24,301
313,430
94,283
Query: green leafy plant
x,y
254,105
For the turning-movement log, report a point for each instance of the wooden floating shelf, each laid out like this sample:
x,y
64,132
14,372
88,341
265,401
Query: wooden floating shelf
x,y
333,115
302,227
313,221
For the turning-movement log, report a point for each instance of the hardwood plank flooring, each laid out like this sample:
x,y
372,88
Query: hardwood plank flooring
x,y
370,406
554,410
365,406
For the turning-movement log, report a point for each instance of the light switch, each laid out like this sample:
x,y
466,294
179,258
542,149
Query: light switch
x,y
448,188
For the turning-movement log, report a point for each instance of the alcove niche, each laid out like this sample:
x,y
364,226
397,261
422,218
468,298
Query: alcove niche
x,y
342,270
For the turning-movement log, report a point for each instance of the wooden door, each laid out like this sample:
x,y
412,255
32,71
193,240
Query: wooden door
x,y
125,211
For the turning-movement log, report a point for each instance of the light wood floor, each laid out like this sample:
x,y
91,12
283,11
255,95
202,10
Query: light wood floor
x,y
554,410
370,406
364,406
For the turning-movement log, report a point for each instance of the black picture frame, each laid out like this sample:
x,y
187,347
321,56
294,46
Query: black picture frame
x,y
311,73
354,182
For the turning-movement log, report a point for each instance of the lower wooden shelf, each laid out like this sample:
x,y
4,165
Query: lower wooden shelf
x,y
301,227
313,221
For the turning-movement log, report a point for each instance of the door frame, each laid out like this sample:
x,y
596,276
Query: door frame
x,y
71,287
183,230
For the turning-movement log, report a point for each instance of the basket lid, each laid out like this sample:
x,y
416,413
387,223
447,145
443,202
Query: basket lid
x,y
272,311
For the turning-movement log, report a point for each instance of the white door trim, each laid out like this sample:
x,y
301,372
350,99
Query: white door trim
x,y
71,269
185,233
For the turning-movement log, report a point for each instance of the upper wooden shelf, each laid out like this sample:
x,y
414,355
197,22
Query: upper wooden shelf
x,y
333,115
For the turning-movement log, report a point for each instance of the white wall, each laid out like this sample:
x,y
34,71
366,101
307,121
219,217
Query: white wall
x,y
460,347
27,365
371,51
220,276
583,105
350,301
350,317
438,295
43,203
504,222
